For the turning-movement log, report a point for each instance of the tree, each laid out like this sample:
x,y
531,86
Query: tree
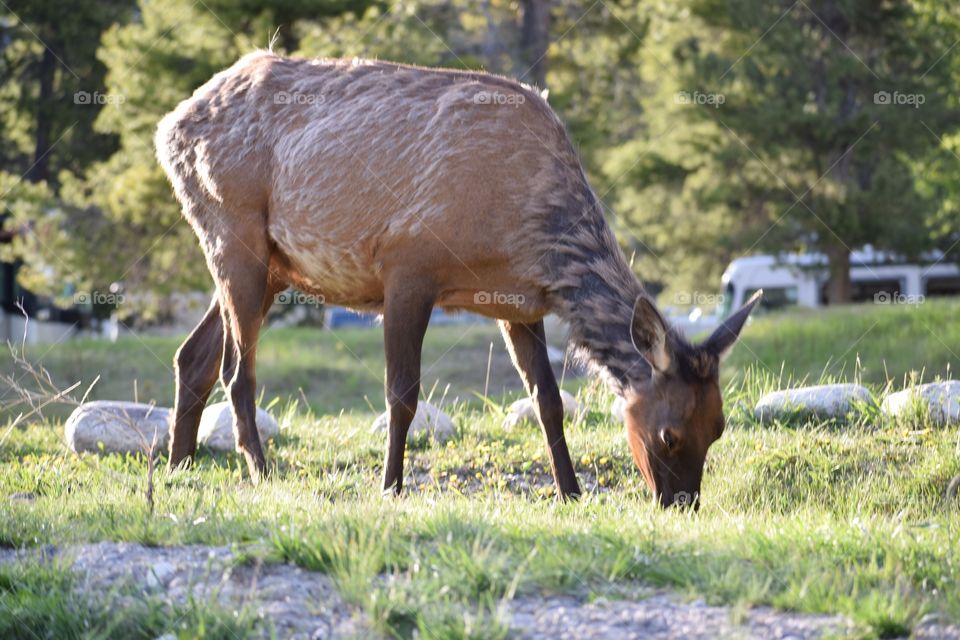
x,y
790,126
111,215
285,18
938,173
115,219
51,85
535,38
51,91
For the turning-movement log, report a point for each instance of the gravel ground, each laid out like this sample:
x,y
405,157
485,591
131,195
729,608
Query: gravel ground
x,y
294,602
661,616
305,604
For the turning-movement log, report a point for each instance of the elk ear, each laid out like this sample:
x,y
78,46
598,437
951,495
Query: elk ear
x,y
724,337
648,330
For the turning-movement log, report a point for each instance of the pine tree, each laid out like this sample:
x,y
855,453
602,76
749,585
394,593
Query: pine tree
x,y
789,126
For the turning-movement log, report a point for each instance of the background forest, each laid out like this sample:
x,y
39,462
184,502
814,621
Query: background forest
x,y
710,128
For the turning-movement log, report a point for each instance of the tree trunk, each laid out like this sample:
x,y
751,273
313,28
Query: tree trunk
x,y
839,286
492,45
535,40
287,37
40,170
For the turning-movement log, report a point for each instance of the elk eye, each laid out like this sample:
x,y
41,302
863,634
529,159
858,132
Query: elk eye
x,y
669,438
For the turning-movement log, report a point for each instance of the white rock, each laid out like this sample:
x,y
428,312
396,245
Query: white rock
x,y
618,409
940,401
429,420
216,427
119,427
823,401
522,410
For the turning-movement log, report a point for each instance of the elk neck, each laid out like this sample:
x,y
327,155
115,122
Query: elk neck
x,y
594,290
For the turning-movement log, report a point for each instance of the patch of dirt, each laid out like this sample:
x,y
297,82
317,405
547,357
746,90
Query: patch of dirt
x,y
661,616
295,603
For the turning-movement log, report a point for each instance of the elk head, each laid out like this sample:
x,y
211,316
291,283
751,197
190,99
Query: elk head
x,y
674,416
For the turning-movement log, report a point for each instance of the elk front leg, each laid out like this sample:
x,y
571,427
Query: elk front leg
x,y
406,314
528,348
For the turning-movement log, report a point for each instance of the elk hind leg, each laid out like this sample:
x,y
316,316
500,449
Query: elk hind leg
x,y
245,294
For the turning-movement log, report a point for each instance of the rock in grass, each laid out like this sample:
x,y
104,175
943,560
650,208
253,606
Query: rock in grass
x,y
216,427
937,401
107,426
822,402
522,410
952,488
429,421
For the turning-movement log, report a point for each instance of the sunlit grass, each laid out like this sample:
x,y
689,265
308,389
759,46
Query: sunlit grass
x,y
816,519
846,517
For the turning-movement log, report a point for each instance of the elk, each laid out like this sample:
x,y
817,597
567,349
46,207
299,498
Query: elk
x,y
396,188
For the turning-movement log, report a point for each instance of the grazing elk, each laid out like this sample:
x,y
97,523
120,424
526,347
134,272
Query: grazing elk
x,y
396,188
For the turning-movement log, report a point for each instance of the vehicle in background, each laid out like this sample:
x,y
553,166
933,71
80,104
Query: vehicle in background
x,y
340,318
439,318
47,322
801,280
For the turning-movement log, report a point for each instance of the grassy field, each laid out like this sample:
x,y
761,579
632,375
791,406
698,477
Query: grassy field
x,y
849,519
331,370
872,342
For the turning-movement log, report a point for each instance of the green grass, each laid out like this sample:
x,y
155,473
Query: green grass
x,y
333,371
836,518
888,342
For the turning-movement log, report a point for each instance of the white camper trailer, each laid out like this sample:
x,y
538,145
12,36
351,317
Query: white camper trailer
x,y
801,280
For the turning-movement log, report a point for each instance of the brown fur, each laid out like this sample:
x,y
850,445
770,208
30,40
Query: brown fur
x,y
398,188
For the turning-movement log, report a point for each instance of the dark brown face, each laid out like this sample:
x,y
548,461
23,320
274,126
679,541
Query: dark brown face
x,y
670,426
676,413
